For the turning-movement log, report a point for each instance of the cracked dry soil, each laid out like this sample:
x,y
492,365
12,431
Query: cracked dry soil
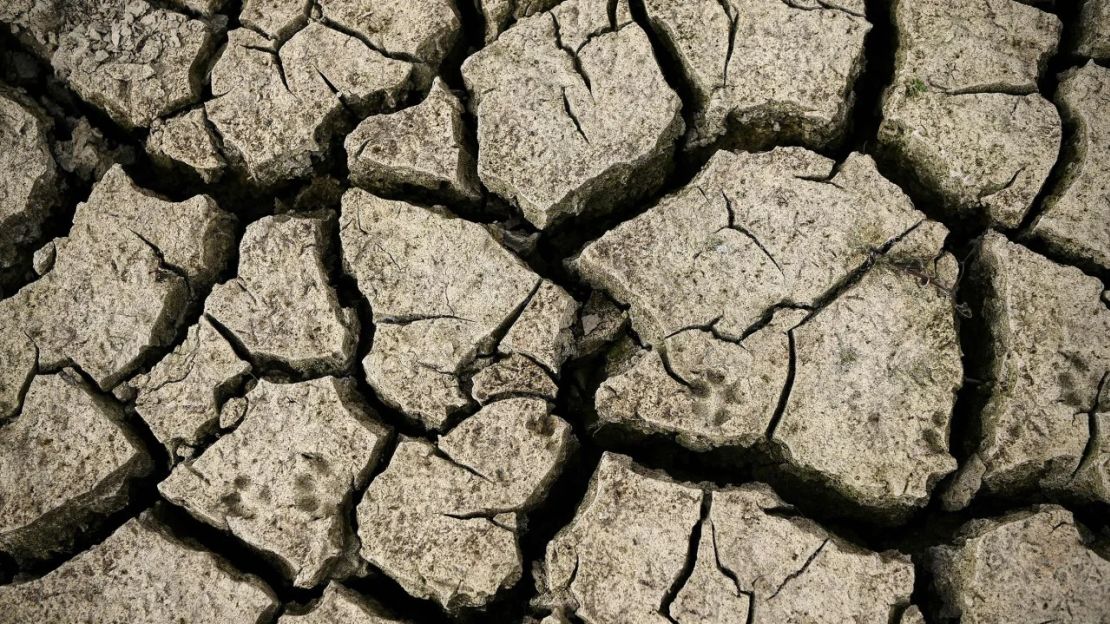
x,y
554,311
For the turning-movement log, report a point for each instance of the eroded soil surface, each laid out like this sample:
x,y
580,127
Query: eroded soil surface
x,y
555,311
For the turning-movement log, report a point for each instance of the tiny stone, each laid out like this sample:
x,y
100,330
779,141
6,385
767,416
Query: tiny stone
x,y
601,321
43,259
232,412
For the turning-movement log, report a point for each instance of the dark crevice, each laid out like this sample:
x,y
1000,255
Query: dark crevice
x,y
239,554
671,67
733,22
784,396
879,48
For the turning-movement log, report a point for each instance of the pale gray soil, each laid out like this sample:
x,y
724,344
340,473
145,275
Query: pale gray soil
x,y
554,311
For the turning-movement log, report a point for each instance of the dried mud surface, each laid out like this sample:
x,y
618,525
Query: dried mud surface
x,y
555,311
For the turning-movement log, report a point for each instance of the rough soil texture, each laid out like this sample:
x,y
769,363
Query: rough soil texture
x,y
555,311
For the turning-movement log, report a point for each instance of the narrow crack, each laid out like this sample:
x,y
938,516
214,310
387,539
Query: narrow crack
x,y
787,387
573,118
691,559
575,61
730,575
1093,428
733,23
163,264
800,571
733,225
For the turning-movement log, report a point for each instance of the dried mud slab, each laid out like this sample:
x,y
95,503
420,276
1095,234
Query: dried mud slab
x,y
187,140
421,148
765,71
1027,566
122,279
444,520
601,321
18,362
759,237
340,605
418,31
445,297
141,574
282,480
276,19
277,105
512,376
29,189
962,116
68,460
706,391
180,398
1076,218
645,548
749,233
133,60
1044,426
501,14
1094,30
573,112
877,372
194,237
282,307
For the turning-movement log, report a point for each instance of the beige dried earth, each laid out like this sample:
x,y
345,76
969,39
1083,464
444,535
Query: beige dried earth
x,y
554,311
